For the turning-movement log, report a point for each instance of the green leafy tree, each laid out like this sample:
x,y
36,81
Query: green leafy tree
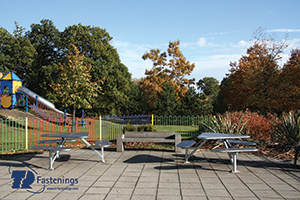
x,y
209,86
17,53
95,44
220,105
134,104
168,101
45,38
74,88
191,103
5,58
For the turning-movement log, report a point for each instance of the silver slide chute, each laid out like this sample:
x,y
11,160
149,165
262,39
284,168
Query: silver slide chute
x,y
41,100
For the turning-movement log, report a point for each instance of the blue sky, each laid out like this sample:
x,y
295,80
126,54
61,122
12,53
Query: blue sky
x,y
212,33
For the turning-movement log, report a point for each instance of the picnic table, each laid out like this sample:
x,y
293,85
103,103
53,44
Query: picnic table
x,y
229,140
68,137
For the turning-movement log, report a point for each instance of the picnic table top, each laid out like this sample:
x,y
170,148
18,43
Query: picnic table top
x,y
217,136
68,135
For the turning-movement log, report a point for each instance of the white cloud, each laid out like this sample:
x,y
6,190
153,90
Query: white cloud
x,y
202,42
284,30
216,66
131,56
213,63
187,45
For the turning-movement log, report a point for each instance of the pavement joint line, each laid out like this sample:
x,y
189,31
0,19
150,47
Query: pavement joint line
x,y
264,180
224,185
201,182
159,174
139,176
260,177
48,172
273,175
67,172
118,177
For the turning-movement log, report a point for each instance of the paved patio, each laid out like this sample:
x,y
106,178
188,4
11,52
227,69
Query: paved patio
x,y
150,174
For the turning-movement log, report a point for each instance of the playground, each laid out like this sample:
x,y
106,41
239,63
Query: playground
x,y
14,95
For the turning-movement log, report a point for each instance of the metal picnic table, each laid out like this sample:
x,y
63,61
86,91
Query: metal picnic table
x,y
226,139
65,137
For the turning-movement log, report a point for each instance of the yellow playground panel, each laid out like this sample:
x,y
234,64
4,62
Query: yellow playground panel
x,y
9,85
5,101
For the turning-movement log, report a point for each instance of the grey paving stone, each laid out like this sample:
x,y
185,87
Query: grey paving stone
x,y
98,190
121,190
168,192
145,191
158,178
92,196
143,197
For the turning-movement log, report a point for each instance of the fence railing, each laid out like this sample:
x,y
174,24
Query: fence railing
x,y
20,134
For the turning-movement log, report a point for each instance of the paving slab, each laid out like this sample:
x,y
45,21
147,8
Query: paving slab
x,y
147,174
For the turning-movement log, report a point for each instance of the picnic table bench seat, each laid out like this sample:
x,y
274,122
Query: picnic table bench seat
x,y
159,137
240,142
55,141
234,152
52,150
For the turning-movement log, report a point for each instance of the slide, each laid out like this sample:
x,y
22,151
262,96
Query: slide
x,y
41,100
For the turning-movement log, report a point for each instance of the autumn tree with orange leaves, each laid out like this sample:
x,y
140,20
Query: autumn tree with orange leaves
x,y
169,67
290,82
255,79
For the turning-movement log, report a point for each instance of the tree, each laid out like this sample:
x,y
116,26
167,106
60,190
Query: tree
x,y
209,86
5,58
220,105
168,101
172,70
74,87
290,82
17,53
95,44
45,38
255,79
134,104
191,103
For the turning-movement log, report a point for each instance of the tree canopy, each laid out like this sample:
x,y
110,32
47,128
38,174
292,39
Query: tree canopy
x,y
171,70
34,57
255,81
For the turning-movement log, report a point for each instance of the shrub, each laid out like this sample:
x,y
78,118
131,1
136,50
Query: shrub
x,y
288,130
129,127
258,126
146,128
242,122
142,128
224,124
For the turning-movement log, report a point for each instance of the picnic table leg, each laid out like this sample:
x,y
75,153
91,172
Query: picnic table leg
x,y
63,141
234,164
51,160
228,145
101,156
195,149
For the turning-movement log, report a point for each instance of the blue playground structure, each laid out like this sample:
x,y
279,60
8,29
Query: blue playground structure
x,y
14,95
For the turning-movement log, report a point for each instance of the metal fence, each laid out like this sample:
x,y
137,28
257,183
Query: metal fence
x,y
20,134
187,126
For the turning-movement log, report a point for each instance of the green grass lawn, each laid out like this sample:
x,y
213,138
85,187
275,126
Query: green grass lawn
x,y
12,133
